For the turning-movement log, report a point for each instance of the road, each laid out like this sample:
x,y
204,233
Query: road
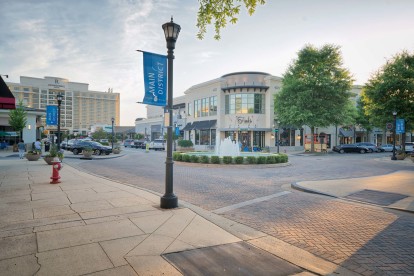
x,y
366,239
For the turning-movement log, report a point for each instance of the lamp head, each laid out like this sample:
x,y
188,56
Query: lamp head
x,y
171,31
113,119
394,113
59,98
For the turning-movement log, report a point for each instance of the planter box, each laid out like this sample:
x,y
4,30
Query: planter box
x,y
400,156
49,160
185,149
33,157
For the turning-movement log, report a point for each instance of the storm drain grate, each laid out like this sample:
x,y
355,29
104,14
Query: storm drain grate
x,y
376,197
230,259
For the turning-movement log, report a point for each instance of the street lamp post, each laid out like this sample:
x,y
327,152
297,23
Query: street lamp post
x,y
277,136
394,113
59,100
169,200
113,120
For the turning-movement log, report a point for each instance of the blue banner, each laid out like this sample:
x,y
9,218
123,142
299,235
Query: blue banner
x,y
155,79
177,131
400,126
51,115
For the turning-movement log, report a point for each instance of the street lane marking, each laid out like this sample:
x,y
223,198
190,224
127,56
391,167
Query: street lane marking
x,y
249,202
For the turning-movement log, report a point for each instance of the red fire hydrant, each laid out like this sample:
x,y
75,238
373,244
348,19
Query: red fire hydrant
x,y
56,166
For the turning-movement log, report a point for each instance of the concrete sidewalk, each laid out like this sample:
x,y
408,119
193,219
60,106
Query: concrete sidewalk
x,y
88,224
394,190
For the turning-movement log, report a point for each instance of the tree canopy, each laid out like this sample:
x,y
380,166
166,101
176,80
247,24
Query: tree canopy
x,y
219,12
390,89
316,90
18,118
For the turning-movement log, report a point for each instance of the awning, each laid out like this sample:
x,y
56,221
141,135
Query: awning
x,y
188,127
204,124
200,125
346,133
7,100
2,133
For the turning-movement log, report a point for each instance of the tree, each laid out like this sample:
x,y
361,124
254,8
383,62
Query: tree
x,y
362,119
220,12
315,90
100,134
390,89
18,118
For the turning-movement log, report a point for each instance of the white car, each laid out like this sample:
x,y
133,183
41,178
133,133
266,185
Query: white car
x,y
409,147
157,144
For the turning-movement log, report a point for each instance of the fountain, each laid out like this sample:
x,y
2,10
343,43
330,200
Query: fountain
x,y
227,147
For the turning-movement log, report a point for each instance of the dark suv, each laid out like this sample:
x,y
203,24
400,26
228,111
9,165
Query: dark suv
x,y
97,148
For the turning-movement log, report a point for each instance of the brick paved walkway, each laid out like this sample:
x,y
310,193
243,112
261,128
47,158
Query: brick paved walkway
x,y
363,239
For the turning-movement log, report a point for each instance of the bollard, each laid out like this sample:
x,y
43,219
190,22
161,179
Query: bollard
x,y
56,166
147,147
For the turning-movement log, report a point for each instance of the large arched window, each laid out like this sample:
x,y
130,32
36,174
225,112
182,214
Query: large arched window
x,y
246,103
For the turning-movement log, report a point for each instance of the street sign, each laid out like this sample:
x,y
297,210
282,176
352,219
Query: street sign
x,y
276,130
400,126
389,126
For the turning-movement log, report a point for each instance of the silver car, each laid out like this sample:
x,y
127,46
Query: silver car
x,y
388,147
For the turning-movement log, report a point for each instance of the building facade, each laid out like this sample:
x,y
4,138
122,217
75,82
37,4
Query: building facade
x,y
241,106
80,109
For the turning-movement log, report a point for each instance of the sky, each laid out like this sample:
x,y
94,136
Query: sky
x,y
95,41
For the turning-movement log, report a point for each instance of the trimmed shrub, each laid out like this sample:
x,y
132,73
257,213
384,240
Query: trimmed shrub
x,y
186,158
270,159
215,159
204,159
251,159
194,158
238,159
284,158
185,143
227,159
177,156
278,158
261,160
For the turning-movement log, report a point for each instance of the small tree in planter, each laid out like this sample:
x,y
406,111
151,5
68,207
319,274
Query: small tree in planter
x,y
185,145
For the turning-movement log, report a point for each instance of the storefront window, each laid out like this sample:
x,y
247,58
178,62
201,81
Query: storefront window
x,y
231,134
213,106
197,137
244,103
258,139
205,137
213,137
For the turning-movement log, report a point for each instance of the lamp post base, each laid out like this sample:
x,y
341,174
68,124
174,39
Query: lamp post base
x,y
393,158
169,201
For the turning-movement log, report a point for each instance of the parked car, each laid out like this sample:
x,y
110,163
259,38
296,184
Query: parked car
x,y
104,141
139,144
157,144
69,144
372,147
97,148
409,147
388,147
350,148
129,143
